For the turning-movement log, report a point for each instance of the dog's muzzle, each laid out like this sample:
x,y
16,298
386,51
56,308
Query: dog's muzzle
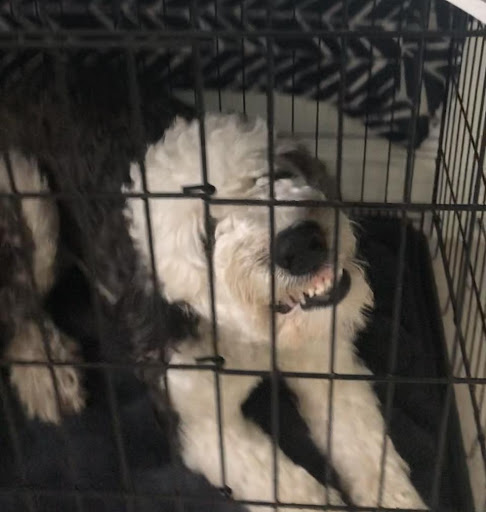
x,y
301,250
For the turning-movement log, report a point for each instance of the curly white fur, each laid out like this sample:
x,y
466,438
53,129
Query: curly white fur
x,y
238,168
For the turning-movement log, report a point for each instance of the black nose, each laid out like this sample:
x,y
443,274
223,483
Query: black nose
x,y
301,249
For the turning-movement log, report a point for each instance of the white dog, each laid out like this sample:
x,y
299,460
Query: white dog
x,y
305,296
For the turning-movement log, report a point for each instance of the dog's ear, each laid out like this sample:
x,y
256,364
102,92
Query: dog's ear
x,y
313,170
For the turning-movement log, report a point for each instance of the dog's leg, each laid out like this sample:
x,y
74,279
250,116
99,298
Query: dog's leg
x,y
34,383
248,451
356,441
28,238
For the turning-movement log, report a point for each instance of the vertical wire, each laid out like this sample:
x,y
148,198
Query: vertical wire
x,y
441,442
207,226
168,51
274,404
61,82
339,165
138,132
318,98
218,68
318,91
243,56
370,67
292,113
397,299
396,86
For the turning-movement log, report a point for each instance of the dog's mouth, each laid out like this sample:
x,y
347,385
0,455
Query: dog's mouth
x,y
321,294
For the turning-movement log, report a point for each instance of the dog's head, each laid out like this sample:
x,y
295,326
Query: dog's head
x,y
307,285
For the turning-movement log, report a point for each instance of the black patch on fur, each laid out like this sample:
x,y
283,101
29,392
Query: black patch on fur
x,y
16,249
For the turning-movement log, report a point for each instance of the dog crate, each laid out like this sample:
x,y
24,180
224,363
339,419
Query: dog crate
x,y
390,95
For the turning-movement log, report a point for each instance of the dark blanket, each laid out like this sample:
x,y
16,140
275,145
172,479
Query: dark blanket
x,y
380,74
93,453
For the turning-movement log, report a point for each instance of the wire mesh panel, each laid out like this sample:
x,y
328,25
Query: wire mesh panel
x,y
390,97
460,181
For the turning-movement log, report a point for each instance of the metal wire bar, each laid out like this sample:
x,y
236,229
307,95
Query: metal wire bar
x,y
196,499
243,56
304,203
368,92
397,379
392,117
152,37
207,226
292,108
137,128
339,167
218,70
274,404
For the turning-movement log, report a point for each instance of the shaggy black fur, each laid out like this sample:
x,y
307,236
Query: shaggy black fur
x,y
16,249
82,131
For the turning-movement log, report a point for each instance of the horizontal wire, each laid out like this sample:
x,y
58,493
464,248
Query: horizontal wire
x,y
399,379
303,203
73,37
204,499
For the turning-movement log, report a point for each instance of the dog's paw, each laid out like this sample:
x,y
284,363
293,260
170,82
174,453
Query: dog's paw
x,y
402,498
34,384
397,492
300,487
37,393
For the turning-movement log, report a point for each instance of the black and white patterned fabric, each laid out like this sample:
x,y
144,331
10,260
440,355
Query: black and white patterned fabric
x,y
381,73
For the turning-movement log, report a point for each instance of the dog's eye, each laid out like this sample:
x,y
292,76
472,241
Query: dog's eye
x,y
283,174
279,174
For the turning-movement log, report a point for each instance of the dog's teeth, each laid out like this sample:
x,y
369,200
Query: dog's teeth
x,y
320,288
311,292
